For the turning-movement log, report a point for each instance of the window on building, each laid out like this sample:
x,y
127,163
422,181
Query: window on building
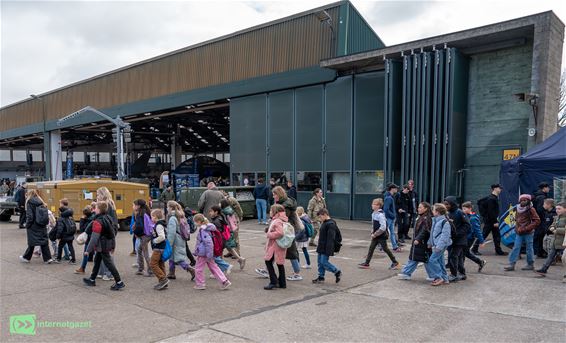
x,y
369,182
338,182
308,181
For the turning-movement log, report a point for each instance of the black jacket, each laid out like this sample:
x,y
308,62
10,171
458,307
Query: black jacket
x,y
538,202
292,192
460,221
421,252
492,210
36,234
290,205
22,196
327,238
404,202
66,227
545,222
261,191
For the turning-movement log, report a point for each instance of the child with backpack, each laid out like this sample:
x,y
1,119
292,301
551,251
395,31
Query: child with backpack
x,y
302,237
222,226
177,235
205,251
85,225
474,234
142,231
66,230
329,242
52,229
158,237
379,235
438,241
231,218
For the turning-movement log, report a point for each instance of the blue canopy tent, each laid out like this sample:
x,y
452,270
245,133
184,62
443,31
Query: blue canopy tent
x,y
544,162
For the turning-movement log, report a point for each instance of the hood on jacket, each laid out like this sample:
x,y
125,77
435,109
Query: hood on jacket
x,y
282,216
161,222
66,212
228,211
453,203
35,201
289,203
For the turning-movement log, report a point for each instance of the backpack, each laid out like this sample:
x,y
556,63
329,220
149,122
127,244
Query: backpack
x,y
482,207
184,229
226,234
70,227
190,221
17,196
288,236
308,228
337,240
41,216
167,252
218,243
233,222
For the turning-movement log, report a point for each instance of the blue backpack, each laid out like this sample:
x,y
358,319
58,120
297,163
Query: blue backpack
x,y
167,252
308,228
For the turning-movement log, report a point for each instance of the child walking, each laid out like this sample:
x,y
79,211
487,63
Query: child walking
x,y
85,225
178,243
558,229
204,253
158,235
329,242
438,241
302,238
215,213
66,230
273,252
142,231
379,235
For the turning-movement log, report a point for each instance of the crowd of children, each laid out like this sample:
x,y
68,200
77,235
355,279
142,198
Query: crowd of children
x,y
438,228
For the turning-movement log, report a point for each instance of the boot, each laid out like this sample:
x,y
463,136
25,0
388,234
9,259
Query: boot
x,y
191,270
509,268
171,274
80,270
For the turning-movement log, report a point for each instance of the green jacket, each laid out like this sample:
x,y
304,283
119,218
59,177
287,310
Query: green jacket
x,y
167,196
559,225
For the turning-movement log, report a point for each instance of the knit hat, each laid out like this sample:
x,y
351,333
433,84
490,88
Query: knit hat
x,y
525,196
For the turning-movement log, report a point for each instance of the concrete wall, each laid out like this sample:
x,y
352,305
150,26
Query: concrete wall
x,y
496,120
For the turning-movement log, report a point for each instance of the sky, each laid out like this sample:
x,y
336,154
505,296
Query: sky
x,y
50,44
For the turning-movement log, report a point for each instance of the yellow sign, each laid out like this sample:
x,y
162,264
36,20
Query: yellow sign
x,y
509,154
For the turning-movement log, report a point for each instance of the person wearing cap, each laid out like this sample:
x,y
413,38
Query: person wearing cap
x,y
489,211
526,221
391,213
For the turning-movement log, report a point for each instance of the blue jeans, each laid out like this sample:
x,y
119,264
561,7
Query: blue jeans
x,y
437,270
261,205
411,266
391,227
519,240
324,265
223,265
296,266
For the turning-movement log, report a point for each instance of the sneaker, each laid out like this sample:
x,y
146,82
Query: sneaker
x,y
452,278
148,274
107,278
99,276
363,265
262,272
229,270
294,277
461,277
509,268
403,276
118,286
162,284
242,263
49,261
307,266
201,287
212,277
56,261
482,264
394,266
72,262
66,258
338,275
89,282
80,271
541,272
139,272
171,277
501,253
226,284
318,280
528,267
135,265
269,287
23,260
477,253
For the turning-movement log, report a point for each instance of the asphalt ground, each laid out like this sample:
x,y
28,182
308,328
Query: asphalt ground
x,y
368,305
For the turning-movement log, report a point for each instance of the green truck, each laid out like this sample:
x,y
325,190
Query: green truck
x,y
190,196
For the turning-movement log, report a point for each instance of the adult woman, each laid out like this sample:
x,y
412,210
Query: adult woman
x,y
179,255
419,251
438,241
103,194
315,204
36,232
280,197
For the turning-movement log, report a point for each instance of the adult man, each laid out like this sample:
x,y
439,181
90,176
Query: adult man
x,y
391,213
166,196
539,196
459,239
404,206
20,198
261,196
414,200
291,190
489,211
211,197
526,221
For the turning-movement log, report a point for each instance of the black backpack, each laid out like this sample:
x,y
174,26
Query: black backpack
x,y
337,241
41,215
70,227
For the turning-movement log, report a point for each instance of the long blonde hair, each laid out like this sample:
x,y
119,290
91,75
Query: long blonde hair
x,y
174,206
104,194
35,193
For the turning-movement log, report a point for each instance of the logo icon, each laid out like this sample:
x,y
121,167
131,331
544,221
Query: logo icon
x,y
23,324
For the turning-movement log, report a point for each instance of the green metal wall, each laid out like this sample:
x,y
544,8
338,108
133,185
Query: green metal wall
x,y
496,120
354,33
281,142
248,132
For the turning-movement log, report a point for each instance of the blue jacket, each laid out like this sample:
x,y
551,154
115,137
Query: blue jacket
x,y
475,232
389,206
440,233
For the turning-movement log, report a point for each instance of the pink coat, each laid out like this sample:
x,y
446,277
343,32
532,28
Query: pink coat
x,y
275,232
